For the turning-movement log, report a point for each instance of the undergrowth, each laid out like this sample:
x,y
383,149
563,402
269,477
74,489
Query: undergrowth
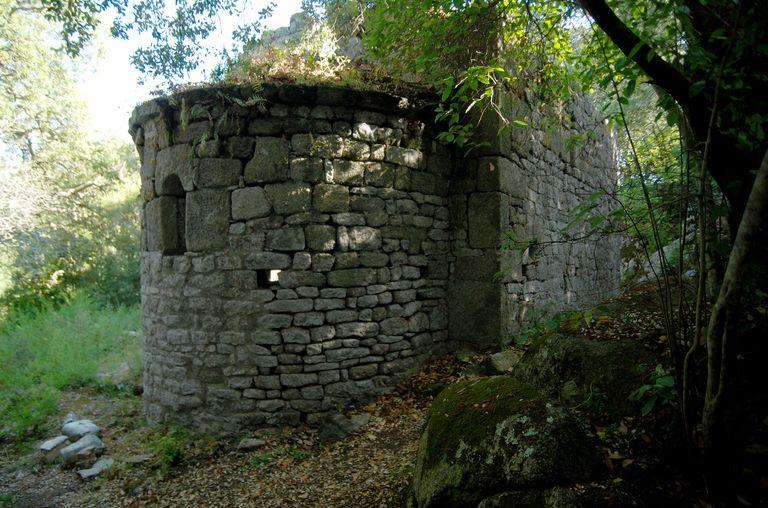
x,y
44,351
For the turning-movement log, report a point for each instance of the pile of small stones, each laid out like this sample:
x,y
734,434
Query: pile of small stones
x,y
78,445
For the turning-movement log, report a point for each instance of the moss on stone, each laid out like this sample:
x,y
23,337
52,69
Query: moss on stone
x,y
468,412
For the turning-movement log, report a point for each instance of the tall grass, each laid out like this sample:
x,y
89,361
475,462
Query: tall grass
x,y
43,351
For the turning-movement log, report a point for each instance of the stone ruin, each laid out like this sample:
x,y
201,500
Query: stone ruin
x,y
306,247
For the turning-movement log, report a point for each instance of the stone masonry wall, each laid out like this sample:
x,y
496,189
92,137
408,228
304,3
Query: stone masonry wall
x,y
294,252
304,247
528,182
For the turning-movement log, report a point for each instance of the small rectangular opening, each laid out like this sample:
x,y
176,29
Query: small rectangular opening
x,y
266,277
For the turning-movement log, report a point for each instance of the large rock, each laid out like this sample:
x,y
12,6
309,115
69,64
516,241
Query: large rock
x,y
497,434
591,374
79,428
83,450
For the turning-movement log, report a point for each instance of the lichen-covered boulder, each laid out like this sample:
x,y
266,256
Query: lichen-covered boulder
x,y
497,434
590,374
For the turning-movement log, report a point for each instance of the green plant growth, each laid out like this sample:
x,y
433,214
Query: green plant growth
x,y
660,390
544,322
171,447
264,458
44,351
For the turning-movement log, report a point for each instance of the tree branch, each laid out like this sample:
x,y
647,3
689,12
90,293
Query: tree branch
x,y
663,74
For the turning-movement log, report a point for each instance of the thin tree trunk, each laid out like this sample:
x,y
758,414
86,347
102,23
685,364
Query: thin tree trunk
x,y
724,319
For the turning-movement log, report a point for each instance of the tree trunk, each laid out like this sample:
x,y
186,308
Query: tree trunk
x,y
724,320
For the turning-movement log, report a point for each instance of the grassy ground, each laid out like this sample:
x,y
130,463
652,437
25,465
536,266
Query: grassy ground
x,y
78,344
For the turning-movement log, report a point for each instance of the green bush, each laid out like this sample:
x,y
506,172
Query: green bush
x,y
46,350
95,252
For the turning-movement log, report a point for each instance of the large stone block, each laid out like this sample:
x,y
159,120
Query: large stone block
x,y
475,312
488,213
267,261
249,203
174,160
270,161
404,157
320,237
349,172
287,198
207,221
330,198
288,239
218,173
165,225
352,277
364,238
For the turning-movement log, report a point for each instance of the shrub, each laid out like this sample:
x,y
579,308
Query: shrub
x,y
46,350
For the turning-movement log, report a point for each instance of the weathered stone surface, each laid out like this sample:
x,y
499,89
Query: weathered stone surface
x,y
309,169
404,157
501,363
289,197
330,198
270,161
49,450
320,237
251,444
79,428
351,277
349,172
267,260
337,426
164,225
364,238
497,434
101,466
250,202
217,173
207,221
288,239
570,368
83,449
174,160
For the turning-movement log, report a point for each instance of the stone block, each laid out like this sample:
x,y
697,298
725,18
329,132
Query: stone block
x,y
320,237
267,261
249,203
270,161
174,160
330,198
298,380
164,225
240,148
207,220
352,277
380,175
487,213
307,169
286,239
287,198
295,335
404,157
290,306
364,238
349,172
213,173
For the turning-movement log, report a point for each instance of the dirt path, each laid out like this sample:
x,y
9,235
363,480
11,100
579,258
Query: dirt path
x,y
369,469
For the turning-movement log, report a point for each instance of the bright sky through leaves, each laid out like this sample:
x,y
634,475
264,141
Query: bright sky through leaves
x,y
112,89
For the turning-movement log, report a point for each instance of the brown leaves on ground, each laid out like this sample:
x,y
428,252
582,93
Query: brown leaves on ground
x,y
369,469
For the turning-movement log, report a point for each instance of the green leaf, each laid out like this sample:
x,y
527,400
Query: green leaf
x,y
519,123
648,407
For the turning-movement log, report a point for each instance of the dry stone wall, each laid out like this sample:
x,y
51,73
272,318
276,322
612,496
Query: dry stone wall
x,y
304,247
294,252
